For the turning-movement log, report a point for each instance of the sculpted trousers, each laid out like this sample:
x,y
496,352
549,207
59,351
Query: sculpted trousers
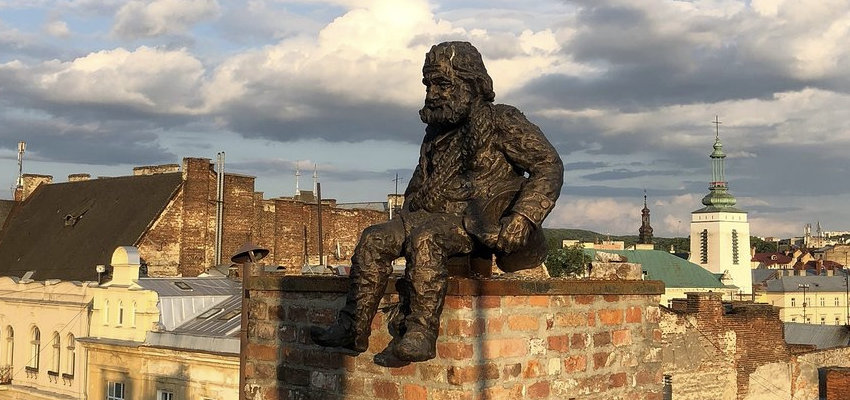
x,y
426,240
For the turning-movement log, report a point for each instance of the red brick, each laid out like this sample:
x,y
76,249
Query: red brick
x,y
514,301
532,369
600,359
489,301
575,364
611,317
448,394
353,386
584,299
407,370
504,348
461,375
385,390
559,343
523,322
261,352
622,337
601,339
415,392
617,380
539,390
458,302
538,301
578,341
571,319
495,324
633,315
611,298
464,327
591,318
454,350
512,370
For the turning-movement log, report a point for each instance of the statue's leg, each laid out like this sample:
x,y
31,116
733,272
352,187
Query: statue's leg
x,y
371,266
429,246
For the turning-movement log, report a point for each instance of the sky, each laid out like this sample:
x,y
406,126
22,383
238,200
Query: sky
x,y
625,90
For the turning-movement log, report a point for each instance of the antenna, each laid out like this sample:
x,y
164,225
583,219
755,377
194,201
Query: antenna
x,y
315,178
297,177
22,146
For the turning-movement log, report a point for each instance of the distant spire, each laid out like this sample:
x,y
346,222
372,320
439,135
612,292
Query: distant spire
x,y
718,197
645,231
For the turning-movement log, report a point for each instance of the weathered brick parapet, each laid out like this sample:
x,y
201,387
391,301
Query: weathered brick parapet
x,y
499,339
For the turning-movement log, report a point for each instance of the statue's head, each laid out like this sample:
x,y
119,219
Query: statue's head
x,y
455,77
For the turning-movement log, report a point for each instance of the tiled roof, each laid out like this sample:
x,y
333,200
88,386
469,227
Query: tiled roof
x,y
63,230
815,284
675,272
222,319
769,259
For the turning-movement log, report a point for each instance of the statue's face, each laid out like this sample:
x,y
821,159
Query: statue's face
x,y
447,98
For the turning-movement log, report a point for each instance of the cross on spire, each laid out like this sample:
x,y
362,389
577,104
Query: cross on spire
x,y
716,123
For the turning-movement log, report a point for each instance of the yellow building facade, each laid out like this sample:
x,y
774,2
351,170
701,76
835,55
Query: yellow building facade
x,y
819,300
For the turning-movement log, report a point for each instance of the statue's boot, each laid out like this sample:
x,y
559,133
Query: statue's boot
x,y
419,342
371,266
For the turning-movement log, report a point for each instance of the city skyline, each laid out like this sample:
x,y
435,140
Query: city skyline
x,y
626,91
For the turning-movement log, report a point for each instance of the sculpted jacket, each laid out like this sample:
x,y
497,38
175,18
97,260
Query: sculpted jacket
x,y
496,164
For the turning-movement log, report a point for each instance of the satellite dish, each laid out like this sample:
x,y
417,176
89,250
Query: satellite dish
x,y
100,268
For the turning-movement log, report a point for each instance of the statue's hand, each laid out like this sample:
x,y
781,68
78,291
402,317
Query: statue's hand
x,y
514,234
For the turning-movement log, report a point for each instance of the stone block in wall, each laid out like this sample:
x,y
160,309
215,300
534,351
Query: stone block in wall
x,y
615,270
499,339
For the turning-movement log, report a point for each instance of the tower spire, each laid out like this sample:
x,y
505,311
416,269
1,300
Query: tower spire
x,y
718,197
297,178
645,231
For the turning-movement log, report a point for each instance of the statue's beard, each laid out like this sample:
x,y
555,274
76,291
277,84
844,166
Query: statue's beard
x,y
446,113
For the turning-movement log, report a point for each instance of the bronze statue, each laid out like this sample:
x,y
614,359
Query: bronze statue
x,y
486,179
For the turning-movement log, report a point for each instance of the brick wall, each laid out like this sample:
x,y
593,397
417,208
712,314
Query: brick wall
x,y
499,339
714,351
837,383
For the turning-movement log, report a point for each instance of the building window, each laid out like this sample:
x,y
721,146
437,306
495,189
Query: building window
x,y
667,393
164,395
836,321
114,391
10,345
106,312
703,246
821,301
823,320
735,246
836,301
793,302
35,349
120,313
793,319
70,356
54,367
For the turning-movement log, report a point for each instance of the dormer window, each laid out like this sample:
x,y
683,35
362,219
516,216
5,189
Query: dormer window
x,y
183,285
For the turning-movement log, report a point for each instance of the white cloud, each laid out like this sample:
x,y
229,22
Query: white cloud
x,y
146,79
138,19
57,28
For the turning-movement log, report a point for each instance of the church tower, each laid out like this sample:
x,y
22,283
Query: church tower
x,y
645,231
720,233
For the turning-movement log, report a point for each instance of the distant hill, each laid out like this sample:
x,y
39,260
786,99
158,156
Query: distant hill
x,y
555,236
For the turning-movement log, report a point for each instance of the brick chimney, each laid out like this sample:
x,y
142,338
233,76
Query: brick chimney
x,y
156,169
30,183
707,305
78,177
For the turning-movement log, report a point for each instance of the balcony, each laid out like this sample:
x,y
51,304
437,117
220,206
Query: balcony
x,y
5,375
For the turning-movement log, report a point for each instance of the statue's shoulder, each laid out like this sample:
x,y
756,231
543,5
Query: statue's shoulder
x,y
509,118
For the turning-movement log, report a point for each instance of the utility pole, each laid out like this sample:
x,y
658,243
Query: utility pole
x,y
804,286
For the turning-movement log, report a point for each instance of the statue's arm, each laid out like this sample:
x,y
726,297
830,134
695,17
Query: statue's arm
x,y
413,186
527,148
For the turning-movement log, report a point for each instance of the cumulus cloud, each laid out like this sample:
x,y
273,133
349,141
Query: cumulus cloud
x,y
57,28
138,19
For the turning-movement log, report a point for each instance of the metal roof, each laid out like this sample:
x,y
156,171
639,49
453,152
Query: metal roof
x,y
205,286
821,336
674,271
815,284
222,319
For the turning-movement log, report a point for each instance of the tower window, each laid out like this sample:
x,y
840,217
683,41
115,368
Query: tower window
x,y
735,246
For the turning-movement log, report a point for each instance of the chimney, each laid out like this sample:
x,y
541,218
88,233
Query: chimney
x,y
156,169
830,272
78,177
31,182
125,265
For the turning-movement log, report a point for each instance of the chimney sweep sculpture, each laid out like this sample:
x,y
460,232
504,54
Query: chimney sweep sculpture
x,y
486,179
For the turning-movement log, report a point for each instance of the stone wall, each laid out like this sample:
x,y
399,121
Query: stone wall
x,y
499,339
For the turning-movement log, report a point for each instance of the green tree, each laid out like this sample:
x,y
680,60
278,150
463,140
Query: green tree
x,y
569,261
762,246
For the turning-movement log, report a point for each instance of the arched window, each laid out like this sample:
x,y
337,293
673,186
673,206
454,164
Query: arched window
x,y
133,314
35,348
105,312
120,313
54,366
10,345
70,356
